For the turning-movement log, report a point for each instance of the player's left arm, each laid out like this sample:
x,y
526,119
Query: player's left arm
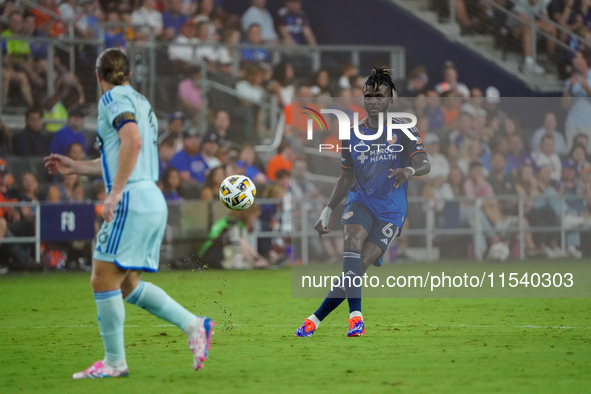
x,y
420,166
129,150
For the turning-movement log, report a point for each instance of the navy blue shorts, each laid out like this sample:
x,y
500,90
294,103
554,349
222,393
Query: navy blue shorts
x,y
379,232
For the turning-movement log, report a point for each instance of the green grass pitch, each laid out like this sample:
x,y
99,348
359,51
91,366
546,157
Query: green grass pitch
x,y
48,331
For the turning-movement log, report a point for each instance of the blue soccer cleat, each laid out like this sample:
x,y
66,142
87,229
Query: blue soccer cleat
x,y
306,330
356,327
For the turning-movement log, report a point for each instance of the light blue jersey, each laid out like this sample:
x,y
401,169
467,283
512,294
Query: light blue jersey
x,y
132,240
118,106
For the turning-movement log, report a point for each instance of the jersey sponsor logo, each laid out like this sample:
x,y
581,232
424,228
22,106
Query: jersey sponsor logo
x,y
113,107
347,215
385,240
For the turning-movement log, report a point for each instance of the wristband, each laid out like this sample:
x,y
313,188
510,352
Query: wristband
x,y
412,169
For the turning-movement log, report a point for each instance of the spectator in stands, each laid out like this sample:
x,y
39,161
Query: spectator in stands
x,y
582,139
473,105
45,22
450,106
281,161
173,19
521,27
579,155
230,37
67,190
434,112
517,156
450,81
189,93
251,93
207,52
321,84
113,36
71,132
212,184
76,151
6,9
501,183
247,158
15,66
348,71
416,83
176,124
293,24
549,129
542,207
183,51
68,93
170,183
576,90
38,49
188,161
281,84
464,130
5,136
147,15
32,140
253,37
476,186
258,14
209,147
166,151
87,22
221,124
441,167
546,156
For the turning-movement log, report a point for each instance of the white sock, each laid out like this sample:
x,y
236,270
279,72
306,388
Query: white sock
x,y
315,320
355,314
529,60
116,364
192,327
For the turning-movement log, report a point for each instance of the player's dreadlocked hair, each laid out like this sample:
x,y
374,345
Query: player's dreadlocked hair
x,y
380,76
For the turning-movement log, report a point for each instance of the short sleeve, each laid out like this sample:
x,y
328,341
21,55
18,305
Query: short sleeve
x,y
346,159
411,146
118,110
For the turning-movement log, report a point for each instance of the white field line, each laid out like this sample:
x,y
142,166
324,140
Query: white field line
x,y
290,325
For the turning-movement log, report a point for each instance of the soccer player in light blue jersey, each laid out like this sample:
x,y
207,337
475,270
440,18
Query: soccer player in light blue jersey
x,y
375,209
135,214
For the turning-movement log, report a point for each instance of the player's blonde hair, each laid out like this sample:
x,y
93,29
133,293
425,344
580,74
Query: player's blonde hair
x,y
113,66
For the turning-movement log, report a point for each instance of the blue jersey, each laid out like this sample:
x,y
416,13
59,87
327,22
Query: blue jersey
x,y
121,105
372,164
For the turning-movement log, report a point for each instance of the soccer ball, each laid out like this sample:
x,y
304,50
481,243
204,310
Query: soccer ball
x,y
237,192
499,251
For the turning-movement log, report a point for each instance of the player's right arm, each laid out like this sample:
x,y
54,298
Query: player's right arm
x,y
340,190
63,165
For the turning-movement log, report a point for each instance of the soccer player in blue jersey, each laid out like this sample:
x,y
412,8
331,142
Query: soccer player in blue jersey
x,y
135,214
375,208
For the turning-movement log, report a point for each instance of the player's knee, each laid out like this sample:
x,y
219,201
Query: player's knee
x,y
353,242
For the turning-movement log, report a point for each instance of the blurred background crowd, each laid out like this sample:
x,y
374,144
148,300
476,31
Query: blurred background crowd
x,y
478,144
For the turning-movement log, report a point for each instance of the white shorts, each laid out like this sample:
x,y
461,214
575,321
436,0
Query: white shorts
x,y
132,240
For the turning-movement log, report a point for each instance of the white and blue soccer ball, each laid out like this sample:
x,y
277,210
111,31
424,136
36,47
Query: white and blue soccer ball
x,y
237,192
499,251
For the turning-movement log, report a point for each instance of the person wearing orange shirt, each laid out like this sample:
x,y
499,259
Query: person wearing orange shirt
x,y
281,161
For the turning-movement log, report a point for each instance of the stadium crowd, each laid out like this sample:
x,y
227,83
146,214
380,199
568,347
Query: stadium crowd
x,y
476,148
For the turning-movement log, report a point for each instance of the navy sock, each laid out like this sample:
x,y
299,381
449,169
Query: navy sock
x,y
352,273
333,299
